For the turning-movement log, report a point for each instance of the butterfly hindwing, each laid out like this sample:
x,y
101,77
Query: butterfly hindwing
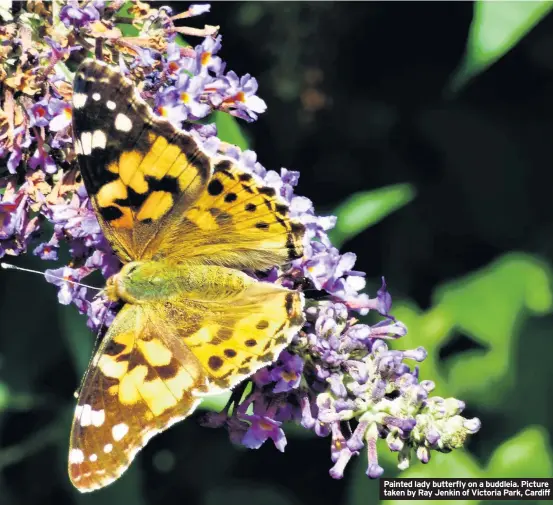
x,y
233,340
156,360
142,380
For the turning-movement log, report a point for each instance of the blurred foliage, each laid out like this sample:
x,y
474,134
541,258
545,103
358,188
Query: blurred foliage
x,y
351,85
495,29
364,209
228,130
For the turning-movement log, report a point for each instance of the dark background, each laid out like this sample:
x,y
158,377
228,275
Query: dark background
x,y
356,101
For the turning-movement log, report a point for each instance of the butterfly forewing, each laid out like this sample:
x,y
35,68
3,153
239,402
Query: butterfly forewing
x,y
138,169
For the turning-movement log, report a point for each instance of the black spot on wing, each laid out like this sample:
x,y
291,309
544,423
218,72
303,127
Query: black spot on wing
x,y
261,325
134,200
110,213
298,229
289,303
168,184
281,209
215,187
168,371
267,191
93,77
215,362
225,168
280,339
93,169
114,348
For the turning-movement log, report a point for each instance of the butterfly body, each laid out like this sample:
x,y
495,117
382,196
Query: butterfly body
x,y
157,281
185,224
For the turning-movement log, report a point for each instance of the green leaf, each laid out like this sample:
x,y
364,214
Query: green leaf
x,y
364,209
526,454
215,403
4,395
496,28
489,307
228,130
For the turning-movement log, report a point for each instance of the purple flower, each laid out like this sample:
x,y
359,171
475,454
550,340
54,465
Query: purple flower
x,y
205,56
41,159
61,114
100,313
58,52
77,218
65,278
47,250
16,226
261,429
183,100
39,113
106,262
72,14
22,140
287,373
237,96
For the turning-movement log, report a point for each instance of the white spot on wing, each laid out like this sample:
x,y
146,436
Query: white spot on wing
x,y
123,123
86,415
96,96
78,150
99,139
110,105
79,100
108,448
93,457
97,417
86,142
119,431
76,456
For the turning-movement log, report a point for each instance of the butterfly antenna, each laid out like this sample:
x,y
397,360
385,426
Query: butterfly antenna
x,y
7,266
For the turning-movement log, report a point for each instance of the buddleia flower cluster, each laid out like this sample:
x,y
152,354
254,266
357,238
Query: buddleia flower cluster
x,y
338,377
